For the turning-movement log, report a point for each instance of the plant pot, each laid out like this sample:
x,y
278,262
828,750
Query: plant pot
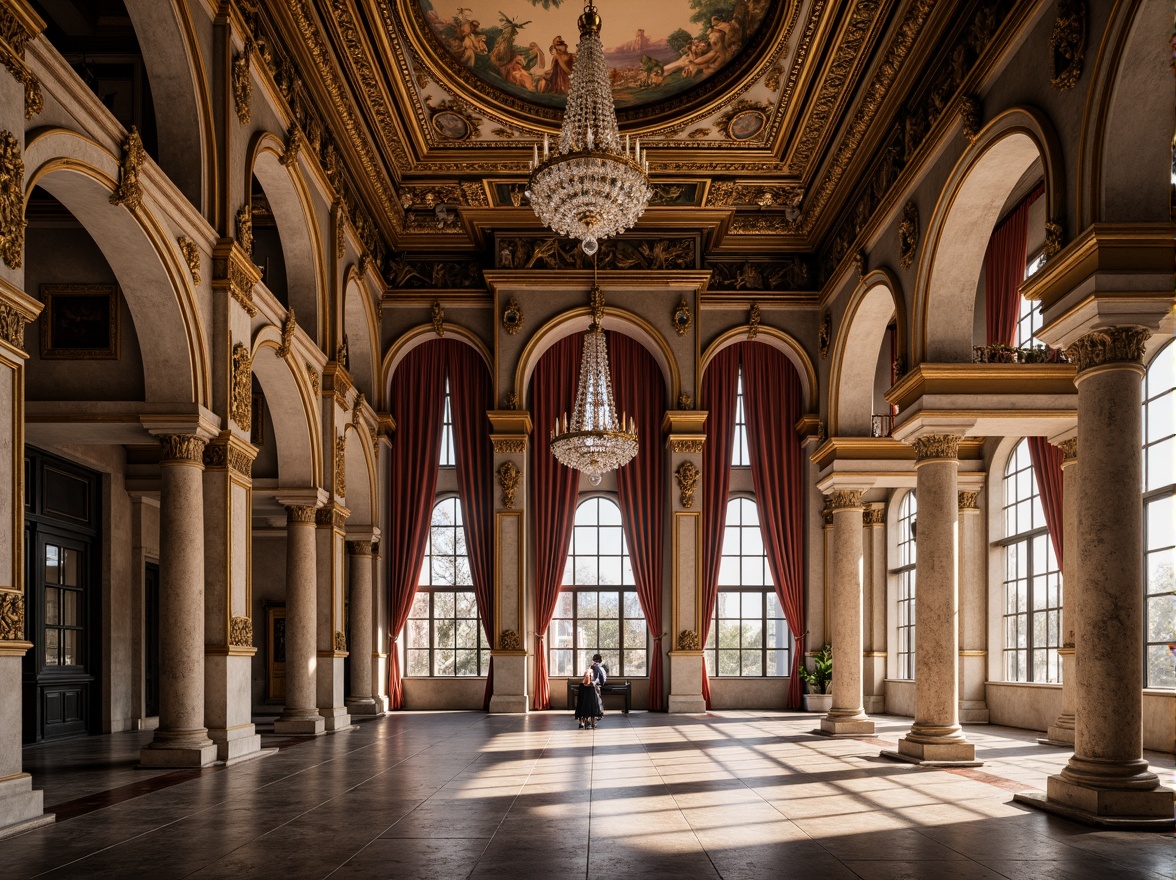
x,y
818,702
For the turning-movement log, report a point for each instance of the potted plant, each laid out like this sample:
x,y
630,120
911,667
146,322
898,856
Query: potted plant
x,y
817,680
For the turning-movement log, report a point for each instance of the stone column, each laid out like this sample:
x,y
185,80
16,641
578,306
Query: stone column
x,y
1107,780
301,715
936,737
332,637
1061,732
359,580
846,717
684,442
973,611
181,739
874,610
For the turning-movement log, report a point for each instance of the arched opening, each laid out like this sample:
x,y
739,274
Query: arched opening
x,y
290,413
359,328
865,358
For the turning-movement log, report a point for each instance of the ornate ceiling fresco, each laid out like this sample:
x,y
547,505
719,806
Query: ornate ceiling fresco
x,y
776,130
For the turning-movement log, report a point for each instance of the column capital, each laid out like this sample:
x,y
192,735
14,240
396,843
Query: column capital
x,y
1069,450
874,515
845,499
509,430
931,447
299,513
1109,345
182,449
334,515
967,500
359,548
227,452
12,616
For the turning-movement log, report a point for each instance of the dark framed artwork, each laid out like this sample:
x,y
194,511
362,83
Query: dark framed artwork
x,y
80,321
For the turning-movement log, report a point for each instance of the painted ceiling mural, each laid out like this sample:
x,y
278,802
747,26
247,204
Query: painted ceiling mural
x,y
655,51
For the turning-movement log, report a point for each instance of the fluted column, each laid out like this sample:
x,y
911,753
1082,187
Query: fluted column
x,y
301,715
360,701
1061,732
181,739
973,611
936,736
1107,779
846,717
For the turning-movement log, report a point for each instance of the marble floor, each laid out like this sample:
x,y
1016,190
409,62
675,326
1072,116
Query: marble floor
x,y
443,795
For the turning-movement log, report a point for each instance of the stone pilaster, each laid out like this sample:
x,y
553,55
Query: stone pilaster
x,y
510,643
973,610
1107,780
181,740
360,701
874,610
936,737
330,626
1061,732
847,715
685,437
301,715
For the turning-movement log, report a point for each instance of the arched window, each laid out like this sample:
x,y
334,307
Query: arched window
x,y
749,636
1159,517
1033,581
444,631
598,609
740,456
448,456
907,514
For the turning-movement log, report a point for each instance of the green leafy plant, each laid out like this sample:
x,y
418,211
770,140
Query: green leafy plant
x,y
820,676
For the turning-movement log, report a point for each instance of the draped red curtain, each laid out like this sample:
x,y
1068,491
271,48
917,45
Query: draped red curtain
x,y
553,490
470,397
772,404
1004,271
418,399
640,391
1047,470
719,389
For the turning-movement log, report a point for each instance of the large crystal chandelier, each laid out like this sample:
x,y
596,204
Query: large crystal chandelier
x,y
592,186
594,442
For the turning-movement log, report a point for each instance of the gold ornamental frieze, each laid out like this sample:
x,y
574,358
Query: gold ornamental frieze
x,y
546,252
241,632
12,207
241,389
12,617
17,27
508,445
1110,345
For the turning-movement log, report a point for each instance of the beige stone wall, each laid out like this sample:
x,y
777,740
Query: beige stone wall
x,y
900,697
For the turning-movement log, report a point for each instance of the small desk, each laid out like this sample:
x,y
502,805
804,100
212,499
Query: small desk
x,y
624,688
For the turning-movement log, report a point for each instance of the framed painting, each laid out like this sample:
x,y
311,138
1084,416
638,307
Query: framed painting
x,y
81,321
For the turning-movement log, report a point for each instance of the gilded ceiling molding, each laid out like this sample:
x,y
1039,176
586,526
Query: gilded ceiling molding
x,y
1067,43
241,397
12,219
183,448
508,478
129,192
753,321
908,235
937,446
242,82
1110,345
743,107
14,37
287,333
512,317
191,256
789,273
687,475
12,616
549,252
244,228
438,318
682,321
241,632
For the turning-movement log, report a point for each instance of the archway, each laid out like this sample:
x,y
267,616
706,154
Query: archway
x,y
360,328
778,339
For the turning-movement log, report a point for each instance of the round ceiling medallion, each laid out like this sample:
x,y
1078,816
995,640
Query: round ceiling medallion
x,y
746,124
451,126
657,52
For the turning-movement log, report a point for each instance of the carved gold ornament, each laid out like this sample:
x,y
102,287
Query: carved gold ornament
x,y
222,454
12,326
129,192
340,642
359,548
692,445
845,499
512,400
244,222
1067,44
241,632
970,117
341,466
300,513
1053,239
241,398
908,235
874,516
438,314
14,36
1111,345
825,333
330,516
688,476
508,640
287,333
12,219
508,478
242,82
339,218
859,263
182,448
937,446
685,401
967,500
512,317
241,287
688,640
12,617
343,354
1069,450
682,320
293,146
506,446
753,321
191,256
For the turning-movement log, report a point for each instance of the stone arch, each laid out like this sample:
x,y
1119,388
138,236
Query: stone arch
x,y
875,302
791,349
362,486
618,320
362,330
293,212
184,117
419,336
952,253
293,407
143,254
1126,146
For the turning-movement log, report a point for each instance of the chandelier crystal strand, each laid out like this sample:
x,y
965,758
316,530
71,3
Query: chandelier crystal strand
x,y
594,441
593,185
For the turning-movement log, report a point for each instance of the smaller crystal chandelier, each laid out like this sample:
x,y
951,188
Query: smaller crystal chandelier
x,y
594,442
592,186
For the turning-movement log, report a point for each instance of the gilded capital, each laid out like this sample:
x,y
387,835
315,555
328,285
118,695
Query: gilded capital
x,y
937,446
12,326
1069,450
299,513
874,516
12,617
359,548
330,516
182,447
845,499
241,632
967,500
1110,345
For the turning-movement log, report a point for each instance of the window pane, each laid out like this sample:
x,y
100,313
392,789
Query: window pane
x,y
71,563
633,605
610,634
52,606
418,662
52,564
561,664
635,662
563,605
52,642
71,644
467,634
634,633
444,662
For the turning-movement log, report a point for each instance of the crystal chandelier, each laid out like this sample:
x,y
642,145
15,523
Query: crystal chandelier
x,y
592,186
594,442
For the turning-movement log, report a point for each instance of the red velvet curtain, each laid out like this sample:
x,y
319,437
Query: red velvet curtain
x,y
719,389
772,403
1004,271
553,490
418,399
470,397
640,392
1047,470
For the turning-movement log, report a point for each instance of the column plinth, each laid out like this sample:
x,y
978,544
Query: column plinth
x,y
846,717
361,700
300,717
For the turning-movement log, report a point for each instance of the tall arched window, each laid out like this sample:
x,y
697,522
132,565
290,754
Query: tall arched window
x,y
749,636
1032,582
598,609
444,631
1159,517
740,455
907,514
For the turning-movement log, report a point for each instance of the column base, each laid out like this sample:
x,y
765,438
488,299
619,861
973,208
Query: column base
x,y
1060,733
874,704
300,722
1141,810
846,725
235,745
952,753
686,683
177,754
973,712
335,719
508,704
366,706
22,807
686,704
510,684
